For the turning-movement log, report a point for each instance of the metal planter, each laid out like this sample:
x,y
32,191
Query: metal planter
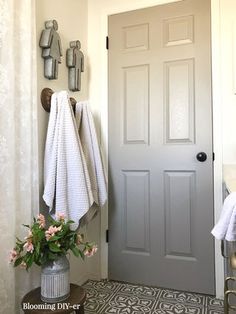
x,y
55,282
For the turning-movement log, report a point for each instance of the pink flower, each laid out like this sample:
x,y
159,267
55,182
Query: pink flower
x,y
61,216
41,221
30,236
80,238
13,256
51,232
91,251
29,246
23,265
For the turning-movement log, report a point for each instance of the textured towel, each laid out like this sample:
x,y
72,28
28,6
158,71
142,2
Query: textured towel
x,y
89,142
226,226
67,187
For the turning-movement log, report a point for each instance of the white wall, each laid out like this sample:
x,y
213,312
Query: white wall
x,y
228,78
71,16
224,104
217,135
98,12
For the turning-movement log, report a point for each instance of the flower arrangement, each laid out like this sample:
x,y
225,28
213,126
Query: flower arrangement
x,y
44,244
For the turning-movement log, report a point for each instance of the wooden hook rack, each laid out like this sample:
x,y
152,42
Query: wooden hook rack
x,y
46,95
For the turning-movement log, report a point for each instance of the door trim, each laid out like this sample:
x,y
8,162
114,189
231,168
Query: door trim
x,y
101,96
217,136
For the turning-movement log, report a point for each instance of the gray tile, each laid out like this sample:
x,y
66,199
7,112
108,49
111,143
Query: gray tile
x,y
182,297
128,304
165,307
140,290
211,301
103,285
214,311
111,297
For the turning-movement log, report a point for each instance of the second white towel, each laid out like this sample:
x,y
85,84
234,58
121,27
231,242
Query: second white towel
x,y
89,142
225,229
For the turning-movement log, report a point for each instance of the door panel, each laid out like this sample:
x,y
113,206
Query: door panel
x,y
136,212
160,195
178,31
179,101
179,205
136,105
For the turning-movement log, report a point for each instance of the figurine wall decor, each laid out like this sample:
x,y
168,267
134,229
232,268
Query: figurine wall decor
x,y
75,63
50,43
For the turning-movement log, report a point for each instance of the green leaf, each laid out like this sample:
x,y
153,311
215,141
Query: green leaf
x,y
18,261
53,247
75,251
27,226
38,263
54,238
18,240
81,254
38,248
50,220
52,256
37,253
30,261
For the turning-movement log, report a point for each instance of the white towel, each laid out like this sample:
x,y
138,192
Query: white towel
x,y
67,187
89,142
226,226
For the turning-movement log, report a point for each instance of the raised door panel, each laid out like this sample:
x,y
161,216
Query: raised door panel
x,y
178,31
136,226
135,118
179,101
180,191
136,38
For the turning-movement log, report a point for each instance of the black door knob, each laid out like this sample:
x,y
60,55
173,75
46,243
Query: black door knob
x,y
201,156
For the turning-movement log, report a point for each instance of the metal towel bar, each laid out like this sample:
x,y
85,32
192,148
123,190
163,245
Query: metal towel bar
x,y
227,290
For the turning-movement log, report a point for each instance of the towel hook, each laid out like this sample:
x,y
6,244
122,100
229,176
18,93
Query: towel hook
x,y
46,95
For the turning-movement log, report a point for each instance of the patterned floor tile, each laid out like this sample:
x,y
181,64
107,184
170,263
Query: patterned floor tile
x,y
140,290
128,304
177,308
103,285
214,306
182,297
213,302
110,297
214,311
96,299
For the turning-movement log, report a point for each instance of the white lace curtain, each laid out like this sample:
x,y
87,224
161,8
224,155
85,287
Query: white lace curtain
x,y
18,140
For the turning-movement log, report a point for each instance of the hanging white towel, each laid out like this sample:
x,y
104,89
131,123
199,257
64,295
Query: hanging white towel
x,y
226,226
89,142
67,187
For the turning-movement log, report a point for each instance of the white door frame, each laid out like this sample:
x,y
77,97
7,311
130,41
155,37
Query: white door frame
x,y
102,98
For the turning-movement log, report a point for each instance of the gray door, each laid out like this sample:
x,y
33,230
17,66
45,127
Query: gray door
x,y
160,195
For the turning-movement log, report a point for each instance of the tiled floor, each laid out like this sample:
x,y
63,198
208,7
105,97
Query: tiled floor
x,y
110,297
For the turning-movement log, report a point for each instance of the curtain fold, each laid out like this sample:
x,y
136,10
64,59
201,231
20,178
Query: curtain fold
x,y
18,140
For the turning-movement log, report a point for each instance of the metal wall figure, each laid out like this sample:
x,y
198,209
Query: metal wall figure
x,y
75,63
50,43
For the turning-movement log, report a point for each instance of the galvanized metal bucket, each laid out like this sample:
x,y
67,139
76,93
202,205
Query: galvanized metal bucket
x,y
55,281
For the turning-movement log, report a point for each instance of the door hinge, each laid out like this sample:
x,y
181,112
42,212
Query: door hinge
x,y
213,156
107,236
107,42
